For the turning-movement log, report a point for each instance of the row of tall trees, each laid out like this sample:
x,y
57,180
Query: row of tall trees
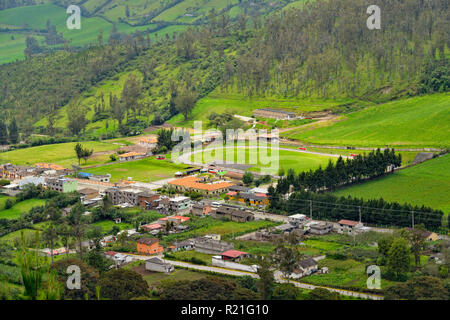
x,y
343,172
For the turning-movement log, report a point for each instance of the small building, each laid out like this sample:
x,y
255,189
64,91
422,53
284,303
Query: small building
x,y
233,214
201,209
297,219
426,235
320,228
253,199
61,184
158,265
179,204
100,177
131,156
124,195
287,227
151,227
237,188
274,114
149,143
210,246
88,194
348,226
182,245
149,246
148,200
306,267
234,255
198,184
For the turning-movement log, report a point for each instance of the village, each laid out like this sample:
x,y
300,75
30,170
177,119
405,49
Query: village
x,y
183,203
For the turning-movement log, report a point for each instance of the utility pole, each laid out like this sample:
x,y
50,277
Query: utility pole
x,y
359,208
412,218
310,209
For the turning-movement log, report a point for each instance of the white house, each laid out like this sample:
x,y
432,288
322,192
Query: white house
x,y
158,265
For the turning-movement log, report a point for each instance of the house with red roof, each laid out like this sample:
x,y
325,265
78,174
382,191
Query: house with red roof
x,y
234,255
349,227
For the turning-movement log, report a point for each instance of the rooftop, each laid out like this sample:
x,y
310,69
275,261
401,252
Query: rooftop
x,y
233,253
348,222
193,182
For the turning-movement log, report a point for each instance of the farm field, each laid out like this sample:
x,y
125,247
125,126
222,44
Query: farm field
x,y
426,184
19,208
414,122
287,159
144,170
62,154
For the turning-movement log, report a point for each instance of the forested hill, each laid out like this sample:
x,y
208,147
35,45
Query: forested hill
x,y
322,50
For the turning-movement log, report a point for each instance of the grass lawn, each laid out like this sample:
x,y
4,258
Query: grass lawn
x,y
188,255
3,199
107,225
16,234
262,159
22,207
425,184
144,170
62,154
414,122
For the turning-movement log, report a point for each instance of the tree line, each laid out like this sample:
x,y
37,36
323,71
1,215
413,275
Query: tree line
x,y
374,212
341,173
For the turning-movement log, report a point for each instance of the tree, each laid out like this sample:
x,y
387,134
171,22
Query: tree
x,y
322,294
78,225
50,236
131,92
398,257
247,178
13,132
185,101
266,281
3,133
77,119
417,242
285,291
82,153
286,259
419,288
123,284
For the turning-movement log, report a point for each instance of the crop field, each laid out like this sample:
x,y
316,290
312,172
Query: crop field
x,y
261,159
144,170
425,184
414,122
62,154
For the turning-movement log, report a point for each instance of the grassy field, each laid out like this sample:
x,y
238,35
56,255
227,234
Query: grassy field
x,y
261,160
227,229
188,255
239,104
415,122
22,207
144,170
107,225
62,154
425,184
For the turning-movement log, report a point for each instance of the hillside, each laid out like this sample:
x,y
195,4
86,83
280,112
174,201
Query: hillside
x,y
154,17
413,122
425,184
236,67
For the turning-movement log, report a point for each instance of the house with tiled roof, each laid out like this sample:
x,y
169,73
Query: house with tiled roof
x,y
197,184
348,226
131,156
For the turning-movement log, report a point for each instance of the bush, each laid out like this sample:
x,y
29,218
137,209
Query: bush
x,y
9,203
113,157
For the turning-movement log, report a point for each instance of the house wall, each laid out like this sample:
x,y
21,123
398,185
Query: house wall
x,y
149,249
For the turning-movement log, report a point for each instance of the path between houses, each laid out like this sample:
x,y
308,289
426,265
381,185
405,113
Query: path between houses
x,y
277,275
